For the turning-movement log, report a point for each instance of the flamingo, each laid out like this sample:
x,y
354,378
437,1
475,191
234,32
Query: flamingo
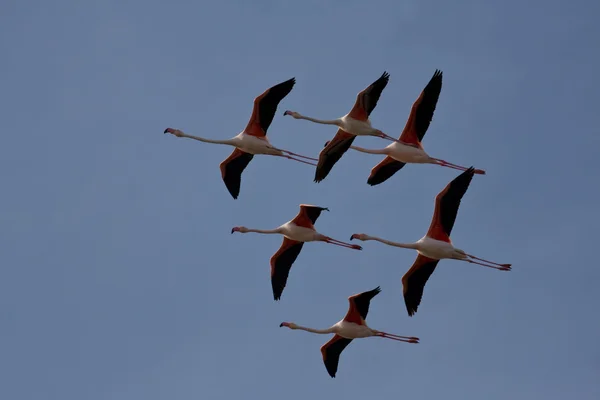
x,y
409,150
253,139
296,232
353,326
355,123
436,244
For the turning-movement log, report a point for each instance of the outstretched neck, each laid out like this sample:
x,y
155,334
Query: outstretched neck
x,y
396,244
226,141
265,231
370,151
320,331
322,121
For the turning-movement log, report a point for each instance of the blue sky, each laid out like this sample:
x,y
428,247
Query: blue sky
x,y
120,279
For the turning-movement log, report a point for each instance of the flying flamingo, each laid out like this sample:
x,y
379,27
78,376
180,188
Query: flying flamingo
x,y
436,244
297,231
355,123
353,326
409,150
253,139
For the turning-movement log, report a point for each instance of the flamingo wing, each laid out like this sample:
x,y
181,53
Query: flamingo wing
x,y
331,353
232,168
265,107
308,215
422,111
281,263
446,206
384,170
331,154
367,99
413,282
358,307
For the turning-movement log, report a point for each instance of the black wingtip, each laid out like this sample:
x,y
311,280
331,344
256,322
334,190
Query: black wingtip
x,y
373,182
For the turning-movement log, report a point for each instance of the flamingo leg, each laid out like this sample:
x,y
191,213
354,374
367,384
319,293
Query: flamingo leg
x,y
295,159
444,163
386,136
398,336
388,336
295,154
505,267
489,262
342,244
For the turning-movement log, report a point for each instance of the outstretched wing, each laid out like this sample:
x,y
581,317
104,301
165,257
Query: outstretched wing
x,y
413,282
446,206
331,154
422,111
232,168
308,215
384,170
331,353
281,263
367,99
265,107
358,306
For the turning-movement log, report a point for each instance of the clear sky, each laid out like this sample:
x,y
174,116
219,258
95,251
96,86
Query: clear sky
x,y
120,278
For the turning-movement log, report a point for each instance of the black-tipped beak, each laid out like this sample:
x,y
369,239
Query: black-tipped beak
x,y
285,113
351,237
166,130
232,230
281,324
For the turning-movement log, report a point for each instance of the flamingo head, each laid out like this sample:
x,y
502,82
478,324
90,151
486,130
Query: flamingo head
x,y
175,132
359,236
290,325
240,229
294,114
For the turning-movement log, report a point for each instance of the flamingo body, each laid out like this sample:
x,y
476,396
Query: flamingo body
x,y
352,330
438,249
254,145
356,127
299,233
407,153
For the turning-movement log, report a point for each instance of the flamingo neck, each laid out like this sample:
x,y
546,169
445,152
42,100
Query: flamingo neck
x,y
265,231
370,151
322,121
214,141
390,243
319,331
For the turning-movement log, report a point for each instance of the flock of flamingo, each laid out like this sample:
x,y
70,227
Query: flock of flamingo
x,y
407,149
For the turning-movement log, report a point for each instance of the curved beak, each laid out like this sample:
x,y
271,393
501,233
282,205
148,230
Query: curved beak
x,y
286,112
166,130
281,324
232,230
351,237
